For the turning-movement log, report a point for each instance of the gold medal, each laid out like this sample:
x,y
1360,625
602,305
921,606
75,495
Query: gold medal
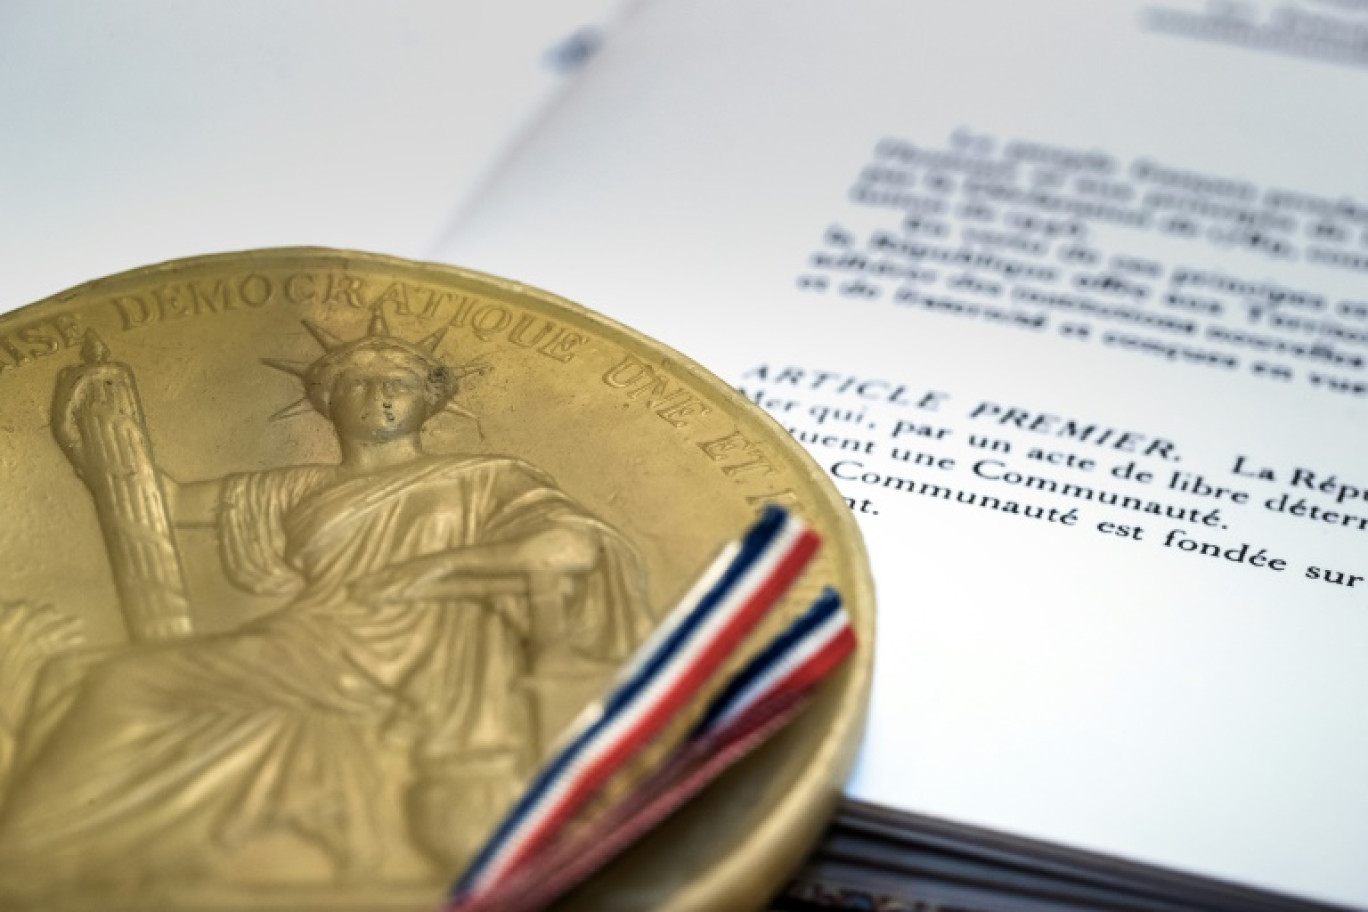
x,y
309,556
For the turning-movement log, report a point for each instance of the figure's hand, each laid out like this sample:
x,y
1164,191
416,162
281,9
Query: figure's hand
x,y
67,396
38,631
30,634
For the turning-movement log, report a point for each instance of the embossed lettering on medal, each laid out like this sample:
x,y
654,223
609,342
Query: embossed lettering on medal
x,y
319,554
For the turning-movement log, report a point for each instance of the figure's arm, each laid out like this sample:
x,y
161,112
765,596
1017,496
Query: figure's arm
x,y
192,503
553,552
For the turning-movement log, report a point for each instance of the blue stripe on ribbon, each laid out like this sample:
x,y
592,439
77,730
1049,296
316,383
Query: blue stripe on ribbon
x,y
753,547
827,604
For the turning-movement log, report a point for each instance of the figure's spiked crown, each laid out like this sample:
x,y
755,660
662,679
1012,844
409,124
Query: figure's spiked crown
x,y
441,379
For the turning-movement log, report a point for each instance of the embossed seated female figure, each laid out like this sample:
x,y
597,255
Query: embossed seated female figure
x,y
372,729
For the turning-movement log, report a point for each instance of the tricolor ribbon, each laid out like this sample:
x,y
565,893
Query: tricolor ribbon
x,y
533,856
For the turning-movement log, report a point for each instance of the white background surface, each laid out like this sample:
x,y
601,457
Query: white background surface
x,y
140,131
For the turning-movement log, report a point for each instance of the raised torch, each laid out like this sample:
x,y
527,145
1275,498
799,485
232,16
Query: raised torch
x,y
97,418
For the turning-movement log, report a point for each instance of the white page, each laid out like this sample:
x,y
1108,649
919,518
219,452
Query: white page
x,y
141,131
1060,681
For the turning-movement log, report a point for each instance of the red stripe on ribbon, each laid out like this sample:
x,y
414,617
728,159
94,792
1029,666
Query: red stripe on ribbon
x,y
699,671
534,885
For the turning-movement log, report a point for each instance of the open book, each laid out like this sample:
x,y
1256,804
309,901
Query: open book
x,y
1070,298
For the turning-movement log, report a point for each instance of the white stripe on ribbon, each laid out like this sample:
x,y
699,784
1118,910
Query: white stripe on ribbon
x,y
813,643
653,642
659,689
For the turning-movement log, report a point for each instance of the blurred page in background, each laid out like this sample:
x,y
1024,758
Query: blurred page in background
x,y
1071,299
141,131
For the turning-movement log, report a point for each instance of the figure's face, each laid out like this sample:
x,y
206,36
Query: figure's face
x,y
377,399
